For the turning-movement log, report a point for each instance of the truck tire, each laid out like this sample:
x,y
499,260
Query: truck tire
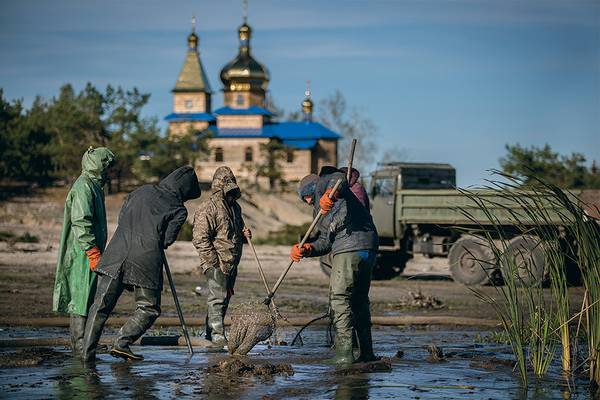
x,y
528,256
471,261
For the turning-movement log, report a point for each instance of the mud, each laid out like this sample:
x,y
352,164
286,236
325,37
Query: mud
x,y
417,299
243,366
251,323
383,365
30,357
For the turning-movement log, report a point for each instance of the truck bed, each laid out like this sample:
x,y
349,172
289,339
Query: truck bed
x,y
447,207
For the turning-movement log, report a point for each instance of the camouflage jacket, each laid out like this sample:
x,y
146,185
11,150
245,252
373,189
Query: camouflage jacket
x,y
218,225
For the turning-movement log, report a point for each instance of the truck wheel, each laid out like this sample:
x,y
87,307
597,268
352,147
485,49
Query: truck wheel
x,y
471,261
525,255
326,264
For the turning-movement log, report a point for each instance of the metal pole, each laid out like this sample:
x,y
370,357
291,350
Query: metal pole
x,y
177,305
304,239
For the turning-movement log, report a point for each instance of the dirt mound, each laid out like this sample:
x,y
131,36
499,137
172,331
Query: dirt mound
x,y
251,323
29,357
243,366
383,365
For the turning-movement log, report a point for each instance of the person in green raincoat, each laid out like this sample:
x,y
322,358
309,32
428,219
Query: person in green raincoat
x,y
82,241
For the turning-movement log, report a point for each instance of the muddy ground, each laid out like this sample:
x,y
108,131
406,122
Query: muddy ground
x,y
468,369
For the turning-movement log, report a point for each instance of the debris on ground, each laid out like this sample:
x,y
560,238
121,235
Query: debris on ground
x,y
492,363
251,323
399,354
30,356
419,300
243,366
383,365
436,354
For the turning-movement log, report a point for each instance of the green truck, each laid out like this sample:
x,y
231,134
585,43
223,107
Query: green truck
x,y
418,210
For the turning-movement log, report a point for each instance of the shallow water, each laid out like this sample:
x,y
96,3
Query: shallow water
x,y
169,372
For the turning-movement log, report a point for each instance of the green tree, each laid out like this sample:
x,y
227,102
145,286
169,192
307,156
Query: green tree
x,y
272,155
568,172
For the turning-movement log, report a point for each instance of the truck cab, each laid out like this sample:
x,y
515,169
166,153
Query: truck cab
x,y
389,180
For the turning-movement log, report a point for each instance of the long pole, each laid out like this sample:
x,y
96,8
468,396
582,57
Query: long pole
x,y
304,239
350,160
177,305
262,274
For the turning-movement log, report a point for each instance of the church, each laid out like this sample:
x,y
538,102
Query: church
x,y
237,130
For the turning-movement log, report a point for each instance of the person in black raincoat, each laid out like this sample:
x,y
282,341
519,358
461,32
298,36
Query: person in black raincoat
x,y
149,222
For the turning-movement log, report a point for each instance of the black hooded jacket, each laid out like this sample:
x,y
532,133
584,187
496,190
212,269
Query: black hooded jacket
x,y
149,222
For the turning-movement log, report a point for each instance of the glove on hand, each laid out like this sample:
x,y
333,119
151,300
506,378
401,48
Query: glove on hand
x,y
326,203
298,252
94,256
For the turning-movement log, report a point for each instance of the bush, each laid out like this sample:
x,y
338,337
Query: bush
x,y
289,235
185,234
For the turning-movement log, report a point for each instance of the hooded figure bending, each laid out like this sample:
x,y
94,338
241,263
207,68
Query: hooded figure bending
x,y
149,222
218,237
82,242
348,233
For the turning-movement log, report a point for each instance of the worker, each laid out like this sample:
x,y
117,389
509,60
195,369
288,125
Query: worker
x,y
149,222
217,235
82,242
348,232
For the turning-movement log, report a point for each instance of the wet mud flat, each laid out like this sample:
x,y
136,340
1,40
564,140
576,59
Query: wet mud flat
x,y
423,364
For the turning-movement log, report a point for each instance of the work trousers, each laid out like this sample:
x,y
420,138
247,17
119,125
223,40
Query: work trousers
x,y
108,292
349,286
220,290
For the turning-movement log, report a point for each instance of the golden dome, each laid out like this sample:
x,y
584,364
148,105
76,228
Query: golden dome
x,y
307,103
244,72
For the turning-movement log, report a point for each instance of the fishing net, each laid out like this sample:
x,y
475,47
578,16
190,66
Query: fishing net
x,y
251,323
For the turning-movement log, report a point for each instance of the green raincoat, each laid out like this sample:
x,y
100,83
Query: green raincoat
x,y
84,227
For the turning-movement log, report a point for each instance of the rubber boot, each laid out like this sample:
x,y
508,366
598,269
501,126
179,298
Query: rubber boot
x,y
344,357
125,353
217,302
77,328
365,343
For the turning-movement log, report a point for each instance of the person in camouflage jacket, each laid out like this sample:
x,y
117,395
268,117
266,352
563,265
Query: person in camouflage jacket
x,y
218,236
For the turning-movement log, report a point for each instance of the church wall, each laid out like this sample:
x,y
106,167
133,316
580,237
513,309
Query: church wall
x,y
233,157
182,128
299,168
198,102
325,154
240,121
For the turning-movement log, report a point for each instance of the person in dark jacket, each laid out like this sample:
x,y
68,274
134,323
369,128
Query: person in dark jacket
x,y
149,222
348,233
218,236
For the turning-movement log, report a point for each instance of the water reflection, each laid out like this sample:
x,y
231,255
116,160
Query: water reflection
x,y
77,381
355,387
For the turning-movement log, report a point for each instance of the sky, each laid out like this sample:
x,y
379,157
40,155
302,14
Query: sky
x,y
443,81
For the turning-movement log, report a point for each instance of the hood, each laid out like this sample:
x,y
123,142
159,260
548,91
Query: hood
x,y
353,177
328,181
96,162
307,186
183,182
224,180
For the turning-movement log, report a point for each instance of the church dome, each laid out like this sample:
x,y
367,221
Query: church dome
x,y
244,72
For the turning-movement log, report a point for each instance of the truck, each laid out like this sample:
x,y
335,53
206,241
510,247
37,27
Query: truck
x,y
417,209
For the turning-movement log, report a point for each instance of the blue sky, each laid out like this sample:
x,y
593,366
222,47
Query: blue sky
x,y
444,81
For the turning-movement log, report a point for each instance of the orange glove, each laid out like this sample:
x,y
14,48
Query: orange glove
x,y
326,203
93,257
298,252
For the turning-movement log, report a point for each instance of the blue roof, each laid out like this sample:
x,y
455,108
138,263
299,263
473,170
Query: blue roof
x,y
301,135
254,110
190,117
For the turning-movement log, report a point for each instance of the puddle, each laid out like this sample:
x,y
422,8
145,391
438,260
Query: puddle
x,y
470,371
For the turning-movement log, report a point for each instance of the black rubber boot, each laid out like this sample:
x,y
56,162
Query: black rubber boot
x,y
146,312
344,357
107,294
365,343
77,328
125,353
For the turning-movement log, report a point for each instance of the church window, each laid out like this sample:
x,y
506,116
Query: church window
x,y
219,154
248,154
290,156
189,103
239,100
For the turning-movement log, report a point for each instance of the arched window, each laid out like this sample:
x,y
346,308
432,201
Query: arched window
x,y
219,154
248,154
290,156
